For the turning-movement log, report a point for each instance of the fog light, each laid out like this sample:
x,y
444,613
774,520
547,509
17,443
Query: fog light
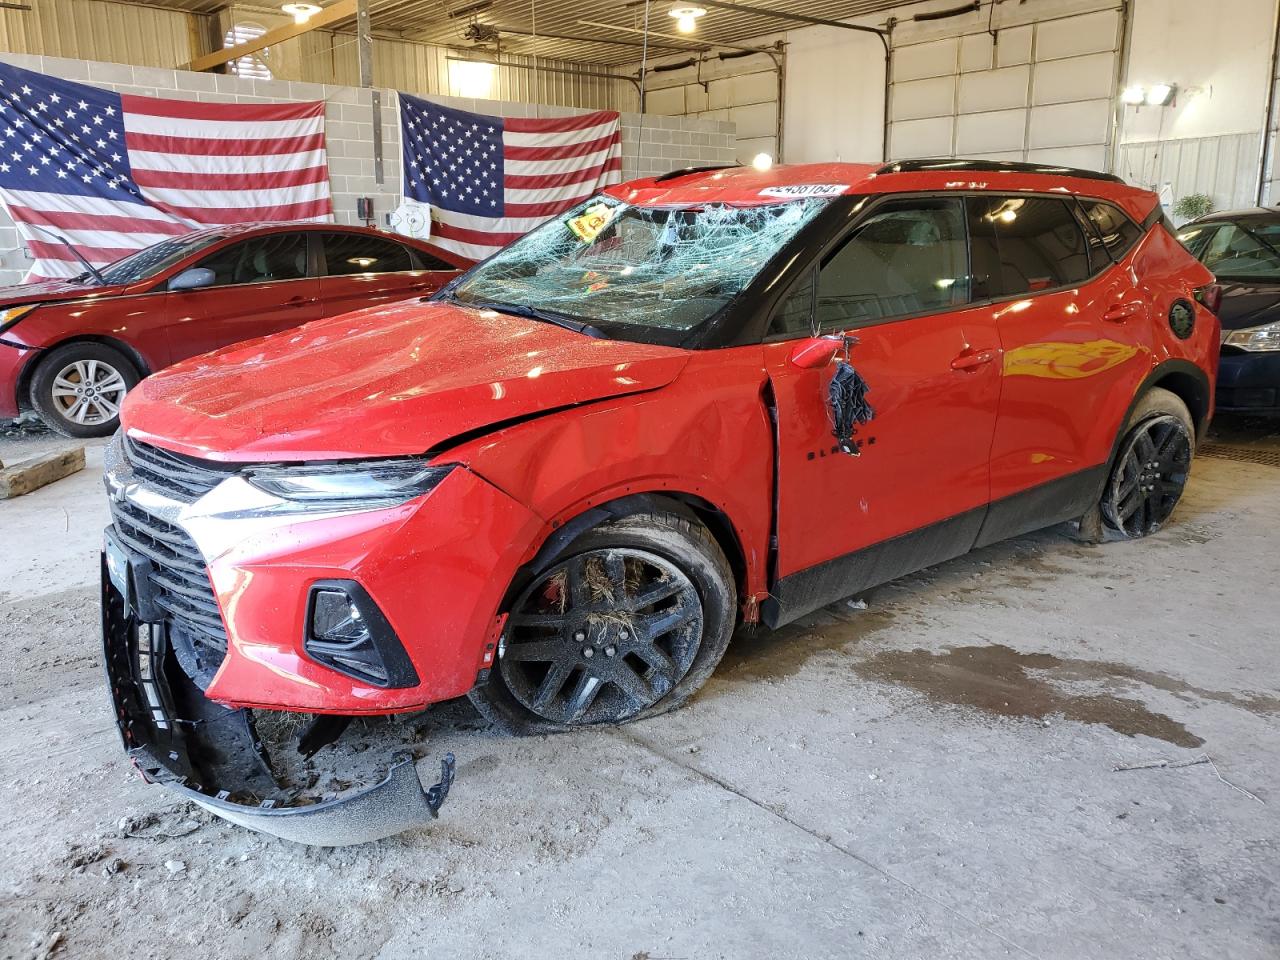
x,y
347,631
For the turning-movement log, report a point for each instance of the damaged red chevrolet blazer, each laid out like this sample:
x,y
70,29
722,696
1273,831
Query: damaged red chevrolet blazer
x,y
713,397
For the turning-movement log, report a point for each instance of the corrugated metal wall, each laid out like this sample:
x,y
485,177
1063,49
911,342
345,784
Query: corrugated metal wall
x,y
98,30
1226,168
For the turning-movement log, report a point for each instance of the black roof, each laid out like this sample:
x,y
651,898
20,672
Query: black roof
x,y
1242,214
993,166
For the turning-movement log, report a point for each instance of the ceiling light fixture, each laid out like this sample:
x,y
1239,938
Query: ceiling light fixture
x,y
687,17
1133,95
762,161
301,12
1161,94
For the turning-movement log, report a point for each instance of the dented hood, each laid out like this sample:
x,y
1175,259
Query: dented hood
x,y
388,381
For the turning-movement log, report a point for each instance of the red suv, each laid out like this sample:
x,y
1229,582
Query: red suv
x,y
714,397
70,349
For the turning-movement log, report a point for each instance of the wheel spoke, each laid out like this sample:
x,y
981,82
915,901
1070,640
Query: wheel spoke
x,y
534,651
576,581
664,621
661,664
1146,448
656,592
77,412
582,695
632,686
90,371
112,383
107,408
551,684
1129,505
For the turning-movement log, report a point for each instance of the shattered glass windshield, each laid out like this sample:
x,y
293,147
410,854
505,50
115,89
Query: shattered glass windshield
x,y
633,271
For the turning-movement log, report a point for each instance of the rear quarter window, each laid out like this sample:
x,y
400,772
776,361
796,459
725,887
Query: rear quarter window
x,y
1114,232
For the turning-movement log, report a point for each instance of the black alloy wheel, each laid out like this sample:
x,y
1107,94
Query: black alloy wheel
x,y
601,636
1149,476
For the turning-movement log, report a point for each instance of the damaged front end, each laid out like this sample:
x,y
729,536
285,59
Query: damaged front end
x,y
214,756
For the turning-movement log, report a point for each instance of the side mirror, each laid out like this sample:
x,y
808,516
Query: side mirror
x,y
814,352
193,278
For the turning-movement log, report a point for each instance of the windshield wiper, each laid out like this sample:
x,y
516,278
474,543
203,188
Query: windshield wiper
x,y
536,313
67,243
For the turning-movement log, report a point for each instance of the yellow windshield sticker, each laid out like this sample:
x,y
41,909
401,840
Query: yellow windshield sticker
x,y
588,224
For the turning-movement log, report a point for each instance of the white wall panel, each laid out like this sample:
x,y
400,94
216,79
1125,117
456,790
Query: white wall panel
x,y
978,133
921,138
977,52
1069,124
994,89
1014,46
1088,158
1075,36
922,60
1075,78
924,98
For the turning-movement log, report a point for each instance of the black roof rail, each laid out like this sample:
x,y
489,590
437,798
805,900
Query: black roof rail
x,y
685,171
943,165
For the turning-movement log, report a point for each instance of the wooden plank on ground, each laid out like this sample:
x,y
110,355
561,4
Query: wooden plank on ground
x,y
36,472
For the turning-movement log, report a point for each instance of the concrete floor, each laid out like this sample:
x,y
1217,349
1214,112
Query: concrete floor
x,y
930,777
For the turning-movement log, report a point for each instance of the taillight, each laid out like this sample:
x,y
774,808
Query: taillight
x,y
1210,297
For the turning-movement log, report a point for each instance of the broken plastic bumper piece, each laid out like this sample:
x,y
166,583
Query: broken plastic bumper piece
x,y
211,754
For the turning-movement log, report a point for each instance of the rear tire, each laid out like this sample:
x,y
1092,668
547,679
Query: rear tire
x,y
1151,466
627,621
77,388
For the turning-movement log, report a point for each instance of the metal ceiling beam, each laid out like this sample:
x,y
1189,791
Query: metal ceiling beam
x,y
541,35
793,17
342,10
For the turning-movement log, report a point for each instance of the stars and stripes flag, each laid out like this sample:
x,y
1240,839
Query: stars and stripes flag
x,y
490,179
113,173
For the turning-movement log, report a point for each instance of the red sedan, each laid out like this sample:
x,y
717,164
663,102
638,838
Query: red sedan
x,y
72,349
710,398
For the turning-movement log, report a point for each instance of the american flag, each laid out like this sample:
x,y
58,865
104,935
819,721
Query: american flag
x,y
113,173
490,180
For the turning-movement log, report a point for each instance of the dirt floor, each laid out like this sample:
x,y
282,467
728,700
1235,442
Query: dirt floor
x,y
932,776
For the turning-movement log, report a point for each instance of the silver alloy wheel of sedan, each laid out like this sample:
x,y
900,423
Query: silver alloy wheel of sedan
x,y
89,391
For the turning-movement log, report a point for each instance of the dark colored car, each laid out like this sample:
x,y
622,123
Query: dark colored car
x,y
71,349
560,484
1242,248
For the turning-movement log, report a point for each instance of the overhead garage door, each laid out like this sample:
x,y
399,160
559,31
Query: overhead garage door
x,y
1041,92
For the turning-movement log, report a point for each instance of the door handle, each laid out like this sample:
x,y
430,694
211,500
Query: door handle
x,y
972,359
1120,312
297,301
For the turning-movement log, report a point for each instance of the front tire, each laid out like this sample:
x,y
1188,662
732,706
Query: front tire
x,y
627,621
1151,467
77,389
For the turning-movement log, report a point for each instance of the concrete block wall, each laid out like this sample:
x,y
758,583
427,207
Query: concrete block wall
x,y
651,144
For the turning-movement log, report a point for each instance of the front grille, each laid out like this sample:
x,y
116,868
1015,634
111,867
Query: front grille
x,y
183,478
179,586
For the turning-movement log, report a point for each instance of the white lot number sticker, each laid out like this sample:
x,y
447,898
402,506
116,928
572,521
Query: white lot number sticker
x,y
793,190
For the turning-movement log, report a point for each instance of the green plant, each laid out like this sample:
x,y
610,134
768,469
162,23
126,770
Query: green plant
x,y
1192,206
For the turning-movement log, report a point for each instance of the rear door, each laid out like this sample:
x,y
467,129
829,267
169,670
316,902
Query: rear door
x,y
1074,326
361,270
899,284
261,285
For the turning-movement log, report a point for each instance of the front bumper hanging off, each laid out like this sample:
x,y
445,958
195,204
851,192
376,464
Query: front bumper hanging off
x,y
212,756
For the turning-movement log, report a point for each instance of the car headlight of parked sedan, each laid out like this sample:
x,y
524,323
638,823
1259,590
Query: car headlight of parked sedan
x,y
366,484
1254,339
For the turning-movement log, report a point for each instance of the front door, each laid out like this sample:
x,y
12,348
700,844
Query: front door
x,y
917,490
261,286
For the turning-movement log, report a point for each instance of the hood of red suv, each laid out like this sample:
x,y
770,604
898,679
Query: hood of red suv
x,y
389,381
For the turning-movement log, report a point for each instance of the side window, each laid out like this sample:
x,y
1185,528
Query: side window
x,y
908,257
1116,232
347,253
794,316
426,261
276,256
1039,242
1195,239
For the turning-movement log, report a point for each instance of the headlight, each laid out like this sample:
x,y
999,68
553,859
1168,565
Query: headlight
x,y
1255,339
368,483
11,315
